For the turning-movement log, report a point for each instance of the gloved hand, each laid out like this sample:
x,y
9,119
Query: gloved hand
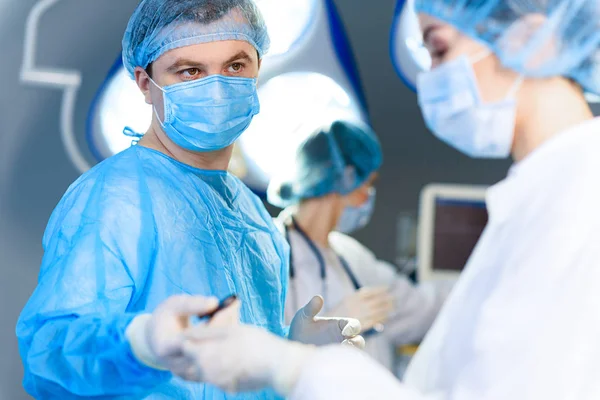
x,y
157,339
371,306
244,358
307,328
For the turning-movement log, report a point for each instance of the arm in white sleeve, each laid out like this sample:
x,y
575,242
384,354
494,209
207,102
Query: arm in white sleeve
x,y
336,372
416,308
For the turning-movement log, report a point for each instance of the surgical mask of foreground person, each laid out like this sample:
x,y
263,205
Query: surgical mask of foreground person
x,y
474,103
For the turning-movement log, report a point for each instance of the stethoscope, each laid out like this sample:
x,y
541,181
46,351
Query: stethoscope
x,y
322,269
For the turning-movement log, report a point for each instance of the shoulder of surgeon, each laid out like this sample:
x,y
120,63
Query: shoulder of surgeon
x,y
574,148
557,173
363,262
349,247
111,192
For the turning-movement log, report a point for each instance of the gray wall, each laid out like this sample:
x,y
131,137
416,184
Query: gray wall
x,y
85,35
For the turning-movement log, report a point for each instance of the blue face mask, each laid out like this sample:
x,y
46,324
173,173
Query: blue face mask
x,y
355,218
208,114
454,111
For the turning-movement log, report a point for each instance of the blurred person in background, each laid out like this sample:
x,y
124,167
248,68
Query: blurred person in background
x,y
329,194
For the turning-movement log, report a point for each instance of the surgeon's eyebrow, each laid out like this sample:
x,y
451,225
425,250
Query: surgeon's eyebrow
x,y
240,56
428,31
183,62
374,179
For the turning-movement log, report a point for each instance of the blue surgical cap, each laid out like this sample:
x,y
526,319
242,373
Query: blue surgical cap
x,y
537,38
338,158
158,26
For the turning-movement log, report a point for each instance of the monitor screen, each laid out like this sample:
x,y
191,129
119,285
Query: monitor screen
x,y
458,224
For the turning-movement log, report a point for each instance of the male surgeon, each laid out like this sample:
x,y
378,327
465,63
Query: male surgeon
x,y
136,240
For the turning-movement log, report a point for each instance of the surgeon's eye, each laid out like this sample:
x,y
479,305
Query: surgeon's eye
x,y
437,39
236,68
190,73
438,51
437,57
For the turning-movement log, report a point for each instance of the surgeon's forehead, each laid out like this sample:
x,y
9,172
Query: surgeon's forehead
x,y
373,178
209,53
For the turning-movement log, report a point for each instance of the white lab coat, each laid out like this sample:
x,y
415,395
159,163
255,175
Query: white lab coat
x,y
523,322
416,306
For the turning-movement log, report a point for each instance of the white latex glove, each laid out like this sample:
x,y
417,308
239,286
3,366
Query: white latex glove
x,y
245,358
307,328
370,305
157,339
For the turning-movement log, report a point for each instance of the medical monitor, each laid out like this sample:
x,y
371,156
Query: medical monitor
x,y
451,220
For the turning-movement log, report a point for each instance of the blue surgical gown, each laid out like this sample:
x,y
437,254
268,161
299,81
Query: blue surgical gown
x,y
134,230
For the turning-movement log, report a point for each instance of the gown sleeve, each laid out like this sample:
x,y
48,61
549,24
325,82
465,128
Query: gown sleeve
x,y
98,249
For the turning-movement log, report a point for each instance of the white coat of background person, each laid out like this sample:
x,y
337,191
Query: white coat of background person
x,y
328,194
523,321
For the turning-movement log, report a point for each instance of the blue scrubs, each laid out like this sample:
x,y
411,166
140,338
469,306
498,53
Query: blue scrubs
x,y
131,232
